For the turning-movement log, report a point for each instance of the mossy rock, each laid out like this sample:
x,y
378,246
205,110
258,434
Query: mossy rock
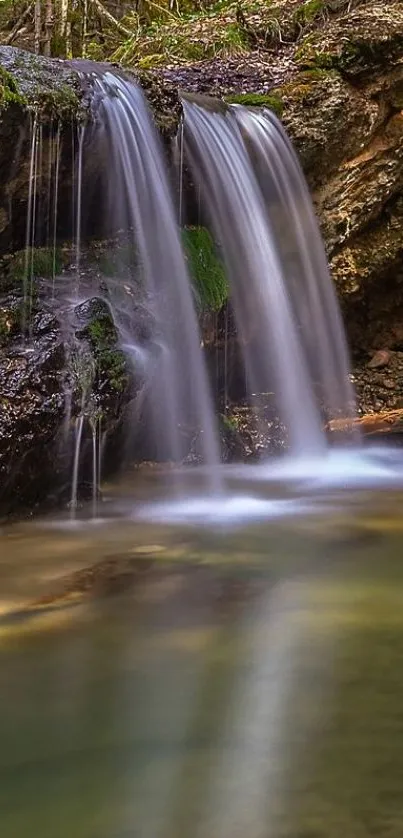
x,y
327,120
48,87
257,100
205,268
357,44
310,11
9,94
42,262
110,367
164,102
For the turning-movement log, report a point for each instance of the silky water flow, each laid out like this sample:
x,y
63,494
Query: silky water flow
x,y
285,305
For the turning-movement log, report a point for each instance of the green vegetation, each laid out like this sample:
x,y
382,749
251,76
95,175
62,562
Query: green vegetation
x,y
102,332
310,11
182,40
42,262
62,101
257,100
205,268
309,57
229,423
110,361
9,94
154,33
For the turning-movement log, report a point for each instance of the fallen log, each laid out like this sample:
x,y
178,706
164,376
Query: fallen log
x,y
386,422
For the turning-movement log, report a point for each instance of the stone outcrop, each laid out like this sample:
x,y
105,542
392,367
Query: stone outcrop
x,y
333,71
59,360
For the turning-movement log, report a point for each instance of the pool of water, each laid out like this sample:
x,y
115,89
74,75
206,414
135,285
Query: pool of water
x,y
208,667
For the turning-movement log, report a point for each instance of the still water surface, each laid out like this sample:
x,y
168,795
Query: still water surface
x,y
224,677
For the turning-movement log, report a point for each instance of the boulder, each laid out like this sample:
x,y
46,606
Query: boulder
x,y
59,360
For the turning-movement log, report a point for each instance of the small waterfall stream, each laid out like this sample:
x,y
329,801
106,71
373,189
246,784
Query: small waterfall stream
x,y
285,305
140,204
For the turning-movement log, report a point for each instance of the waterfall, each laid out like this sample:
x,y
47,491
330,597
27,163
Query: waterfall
x,y
252,190
139,204
284,301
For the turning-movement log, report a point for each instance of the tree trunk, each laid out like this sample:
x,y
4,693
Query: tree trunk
x,y
49,21
64,11
38,26
71,5
85,29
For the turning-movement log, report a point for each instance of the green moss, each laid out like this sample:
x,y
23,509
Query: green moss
x,y
303,86
205,268
112,363
109,361
317,74
102,332
229,422
62,102
352,53
43,262
9,93
309,57
183,39
257,100
309,12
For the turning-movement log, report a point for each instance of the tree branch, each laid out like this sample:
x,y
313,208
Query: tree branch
x,y
107,16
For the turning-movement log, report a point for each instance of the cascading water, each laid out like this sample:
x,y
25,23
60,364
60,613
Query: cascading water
x,y
284,302
249,182
140,205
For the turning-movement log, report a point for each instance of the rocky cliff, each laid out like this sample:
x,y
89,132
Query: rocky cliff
x,y
333,71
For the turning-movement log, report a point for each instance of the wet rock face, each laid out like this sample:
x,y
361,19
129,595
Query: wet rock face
x,y
48,92
43,103
31,406
379,383
58,360
352,152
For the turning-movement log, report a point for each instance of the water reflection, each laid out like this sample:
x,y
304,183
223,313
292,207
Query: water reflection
x,y
176,682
